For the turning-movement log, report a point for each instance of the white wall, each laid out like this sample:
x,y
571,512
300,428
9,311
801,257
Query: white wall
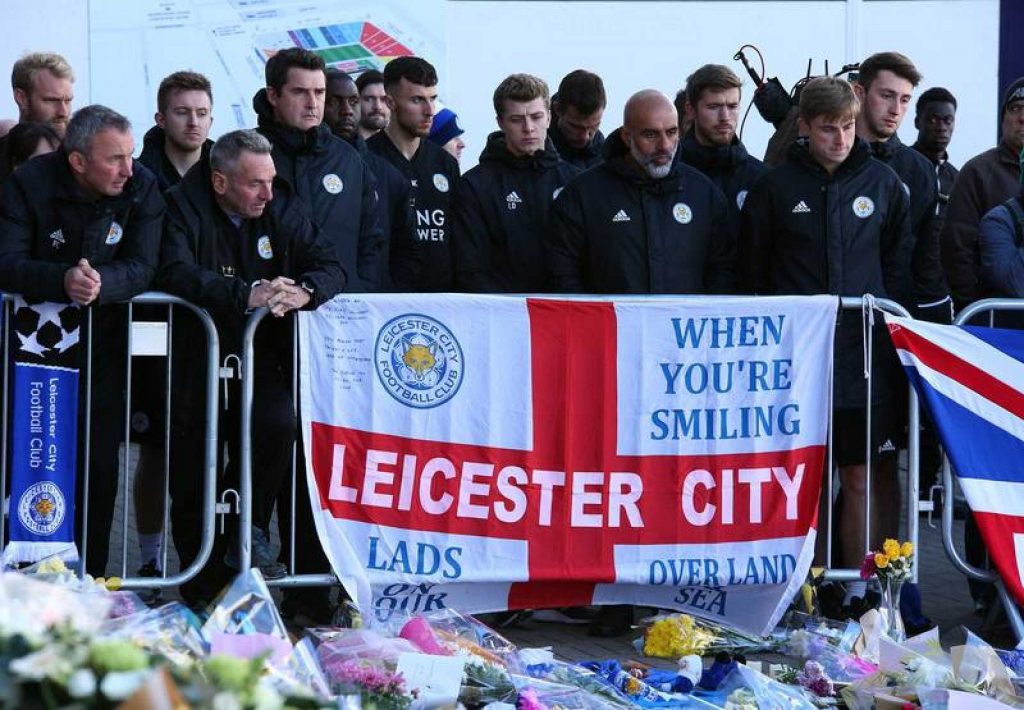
x,y
635,45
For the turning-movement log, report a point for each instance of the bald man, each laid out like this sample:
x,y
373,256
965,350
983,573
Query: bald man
x,y
642,221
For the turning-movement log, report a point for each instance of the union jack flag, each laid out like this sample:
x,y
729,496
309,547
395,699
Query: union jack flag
x,y
971,381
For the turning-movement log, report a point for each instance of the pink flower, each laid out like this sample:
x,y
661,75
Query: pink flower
x,y
867,567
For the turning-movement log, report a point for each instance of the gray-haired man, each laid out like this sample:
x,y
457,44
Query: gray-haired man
x,y
83,225
228,250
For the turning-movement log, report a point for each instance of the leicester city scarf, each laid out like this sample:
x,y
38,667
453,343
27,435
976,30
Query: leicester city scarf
x,y
44,430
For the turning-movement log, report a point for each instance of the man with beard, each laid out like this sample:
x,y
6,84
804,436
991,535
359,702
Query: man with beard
x,y
642,222
712,104
374,113
832,220
884,88
432,173
503,203
342,113
43,85
578,108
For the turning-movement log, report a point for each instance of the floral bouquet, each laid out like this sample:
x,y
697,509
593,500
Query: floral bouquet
x,y
893,563
378,689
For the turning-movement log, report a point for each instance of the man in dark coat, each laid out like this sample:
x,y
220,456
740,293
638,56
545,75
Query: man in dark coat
x,y
83,224
503,203
577,109
642,221
226,250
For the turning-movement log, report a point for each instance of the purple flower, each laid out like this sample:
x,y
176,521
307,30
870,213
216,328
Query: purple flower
x,y
814,678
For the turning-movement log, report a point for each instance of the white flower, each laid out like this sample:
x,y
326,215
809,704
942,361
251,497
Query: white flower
x,y
48,662
82,684
225,700
120,684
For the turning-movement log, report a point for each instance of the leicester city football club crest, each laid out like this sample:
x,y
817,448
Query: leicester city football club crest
x,y
682,213
41,508
114,234
264,248
863,207
332,183
418,360
440,182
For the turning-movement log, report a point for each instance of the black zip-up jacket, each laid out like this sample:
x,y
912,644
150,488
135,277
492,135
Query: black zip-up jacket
x,y
931,295
613,229
154,157
337,191
196,234
396,217
583,158
804,232
47,223
433,176
730,167
501,216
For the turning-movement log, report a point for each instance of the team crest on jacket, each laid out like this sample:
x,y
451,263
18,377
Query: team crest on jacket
x,y
332,183
440,182
41,508
418,360
741,197
863,207
682,213
114,234
266,251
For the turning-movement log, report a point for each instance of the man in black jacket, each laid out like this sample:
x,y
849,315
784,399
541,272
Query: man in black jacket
x,y
935,120
83,225
170,148
712,105
884,87
833,220
577,110
433,174
503,202
225,250
179,140
326,175
642,221
342,112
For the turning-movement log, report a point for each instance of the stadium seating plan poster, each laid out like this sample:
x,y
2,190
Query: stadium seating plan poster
x,y
135,43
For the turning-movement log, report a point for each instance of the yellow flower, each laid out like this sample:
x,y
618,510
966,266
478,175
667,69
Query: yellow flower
x,y
907,549
891,548
881,561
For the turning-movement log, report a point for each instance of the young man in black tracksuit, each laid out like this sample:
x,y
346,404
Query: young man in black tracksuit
x,y
712,106
503,203
884,87
229,251
831,219
576,110
342,115
433,174
323,172
642,221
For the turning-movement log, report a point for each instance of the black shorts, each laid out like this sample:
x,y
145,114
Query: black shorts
x,y
849,435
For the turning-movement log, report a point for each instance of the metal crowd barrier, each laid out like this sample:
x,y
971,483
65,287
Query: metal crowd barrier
x,y
209,439
868,307
1013,613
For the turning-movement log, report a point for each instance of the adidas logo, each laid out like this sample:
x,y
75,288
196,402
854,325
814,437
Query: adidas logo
x,y
57,239
801,208
513,200
887,446
621,216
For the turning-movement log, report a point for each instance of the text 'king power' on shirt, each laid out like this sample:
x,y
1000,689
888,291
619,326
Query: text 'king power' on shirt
x,y
433,177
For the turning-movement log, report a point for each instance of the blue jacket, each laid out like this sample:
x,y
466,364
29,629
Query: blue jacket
x,y
1001,243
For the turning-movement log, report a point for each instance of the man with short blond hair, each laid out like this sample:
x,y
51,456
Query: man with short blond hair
x,y
503,203
833,220
43,85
